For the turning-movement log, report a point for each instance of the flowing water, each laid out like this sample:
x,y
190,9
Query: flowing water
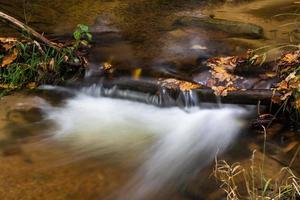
x,y
92,142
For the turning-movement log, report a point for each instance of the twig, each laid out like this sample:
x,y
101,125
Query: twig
x,y
29,30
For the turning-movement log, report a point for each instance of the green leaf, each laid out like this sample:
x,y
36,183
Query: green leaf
x,y
83,28
77,35
84,42
89,36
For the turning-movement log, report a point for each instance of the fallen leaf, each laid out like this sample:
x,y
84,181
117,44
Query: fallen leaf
x,y
271,74
7,39
10,58
290,58
7,86
297,103
187,86
283,85
222,91
172,83
136,73
32,85
8,46
286,96
107,66
276,99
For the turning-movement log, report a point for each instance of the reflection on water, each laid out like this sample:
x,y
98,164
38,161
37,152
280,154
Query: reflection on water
x,y
140,33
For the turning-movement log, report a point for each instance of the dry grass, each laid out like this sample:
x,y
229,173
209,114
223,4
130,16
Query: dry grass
x,y
239,182
251,182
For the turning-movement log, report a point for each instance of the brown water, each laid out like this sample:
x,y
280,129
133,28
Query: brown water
x,y
130,34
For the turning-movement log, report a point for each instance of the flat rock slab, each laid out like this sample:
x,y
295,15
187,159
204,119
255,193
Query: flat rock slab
x,y
233,28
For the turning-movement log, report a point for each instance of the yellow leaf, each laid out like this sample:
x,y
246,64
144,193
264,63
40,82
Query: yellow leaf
x,y
7,39
107,66
222,91
271,74
172,83
136,73
7,86
186,86
31,85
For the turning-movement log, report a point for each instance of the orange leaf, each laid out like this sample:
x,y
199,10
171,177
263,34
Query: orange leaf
x,y
283,85
9,58
290,58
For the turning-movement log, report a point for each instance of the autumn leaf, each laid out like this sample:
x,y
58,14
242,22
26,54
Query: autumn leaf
x,y
107,66
8,46
286,96
222,91
283,85
10,58
136,73
8,39
271,74
276,99
290,58
7,86
172,83
32,85
297,103
228,63
187,86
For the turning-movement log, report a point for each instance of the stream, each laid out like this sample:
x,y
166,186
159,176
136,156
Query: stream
x,y
83,141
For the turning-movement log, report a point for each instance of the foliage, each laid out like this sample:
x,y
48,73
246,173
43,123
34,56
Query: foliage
x,y
28,63
222,78
289,84
82,35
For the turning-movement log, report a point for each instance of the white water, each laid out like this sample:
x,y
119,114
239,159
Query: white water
x,y
177,141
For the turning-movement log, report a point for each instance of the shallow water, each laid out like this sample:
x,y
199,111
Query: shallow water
x,y
141,33
87,136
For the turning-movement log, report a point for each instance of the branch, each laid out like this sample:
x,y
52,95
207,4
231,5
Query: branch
x,y
250,97
29,30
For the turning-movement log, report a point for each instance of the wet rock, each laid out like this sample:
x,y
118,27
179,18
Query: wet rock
x,y
233,28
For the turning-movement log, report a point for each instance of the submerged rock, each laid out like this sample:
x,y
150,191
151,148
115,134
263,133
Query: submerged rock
x,y
234,28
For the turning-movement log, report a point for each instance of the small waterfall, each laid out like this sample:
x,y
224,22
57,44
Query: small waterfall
x,y
143,91
172,141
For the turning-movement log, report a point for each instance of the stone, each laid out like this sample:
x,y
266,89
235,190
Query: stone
x,y
233,28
